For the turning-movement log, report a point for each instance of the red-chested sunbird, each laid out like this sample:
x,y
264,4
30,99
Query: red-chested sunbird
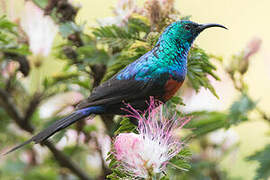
x,y
159,73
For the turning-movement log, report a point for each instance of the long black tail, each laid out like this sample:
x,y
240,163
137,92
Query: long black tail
x,y
56,126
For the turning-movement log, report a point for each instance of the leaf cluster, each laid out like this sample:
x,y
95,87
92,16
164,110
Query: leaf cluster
x,y
199,68
240,108
9,42
262,157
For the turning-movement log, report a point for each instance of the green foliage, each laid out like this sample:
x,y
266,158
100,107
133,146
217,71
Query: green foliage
x,y
204,170
173,106
120,37
114,36
262,157
9,38
204,122
115,166
6,28
41,3
89,55
199,67
126,126
68,28
181,161
239,109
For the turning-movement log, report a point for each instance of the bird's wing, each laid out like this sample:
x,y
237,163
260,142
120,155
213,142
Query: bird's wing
x,y
115,91
126,86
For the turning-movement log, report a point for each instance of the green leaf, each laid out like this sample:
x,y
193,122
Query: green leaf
x,y
7,25
20,49
125,126
262,157
115,167
204,122
114,36
181,161
199,67
68,28
9,38
89,54
138,24
177,100
41,3
172,104
239,109
120,37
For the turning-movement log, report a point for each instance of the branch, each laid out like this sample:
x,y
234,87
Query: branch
x,y
8,104
10,107
35,101
240,87
98,72
263,114
64,161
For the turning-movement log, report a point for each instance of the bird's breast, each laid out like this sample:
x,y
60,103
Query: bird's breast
x,y
171,88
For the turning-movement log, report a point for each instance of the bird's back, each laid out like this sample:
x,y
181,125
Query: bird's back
x,y
147,76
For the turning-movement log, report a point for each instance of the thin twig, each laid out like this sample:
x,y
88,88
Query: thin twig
x,y
241,89
35,101
7,102
263,114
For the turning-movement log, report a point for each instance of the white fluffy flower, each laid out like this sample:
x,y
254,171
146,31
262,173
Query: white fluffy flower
x,y
40,29
123,10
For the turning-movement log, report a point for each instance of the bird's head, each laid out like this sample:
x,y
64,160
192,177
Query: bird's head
x,y
185,32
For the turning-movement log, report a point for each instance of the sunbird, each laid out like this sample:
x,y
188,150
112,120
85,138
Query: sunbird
x,y
159,73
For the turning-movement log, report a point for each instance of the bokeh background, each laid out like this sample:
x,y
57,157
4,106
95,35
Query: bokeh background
x,y
245,20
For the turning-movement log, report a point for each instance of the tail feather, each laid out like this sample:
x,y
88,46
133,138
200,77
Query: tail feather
x,y
55,127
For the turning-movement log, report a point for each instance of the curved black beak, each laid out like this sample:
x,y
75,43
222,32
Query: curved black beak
x,y
202,27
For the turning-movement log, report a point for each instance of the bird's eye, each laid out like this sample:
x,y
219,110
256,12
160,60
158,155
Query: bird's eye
x,y
187,27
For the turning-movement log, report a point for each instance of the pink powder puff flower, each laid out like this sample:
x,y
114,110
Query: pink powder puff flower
x,y
40,29
252,47
148,152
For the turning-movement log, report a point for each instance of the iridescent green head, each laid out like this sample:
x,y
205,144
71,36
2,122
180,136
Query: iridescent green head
x,y
185,32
